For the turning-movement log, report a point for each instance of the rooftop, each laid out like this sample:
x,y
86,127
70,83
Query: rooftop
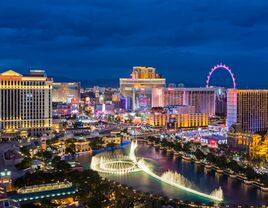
x,y
43,194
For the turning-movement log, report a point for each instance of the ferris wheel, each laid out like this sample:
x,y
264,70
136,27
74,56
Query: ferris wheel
x,y
221,66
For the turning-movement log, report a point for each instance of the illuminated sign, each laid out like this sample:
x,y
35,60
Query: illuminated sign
x,y
213,141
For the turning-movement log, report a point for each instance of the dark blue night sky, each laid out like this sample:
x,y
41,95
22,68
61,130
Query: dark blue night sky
x,y
100,39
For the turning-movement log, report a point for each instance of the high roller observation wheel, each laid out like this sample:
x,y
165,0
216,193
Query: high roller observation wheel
x,y
221,66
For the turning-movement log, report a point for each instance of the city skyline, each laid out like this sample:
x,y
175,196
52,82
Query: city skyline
x,y
101,41
135,103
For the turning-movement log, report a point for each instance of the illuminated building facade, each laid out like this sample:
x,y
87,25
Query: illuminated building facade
x,y
141,72
159,120
109,140
259,147
104,95
66,92
25,102
203,99
212,141
116,100
180,109
82,146
126,103
44,191
254,144
192,120
221,102
6,180
247,110
162,117
139,87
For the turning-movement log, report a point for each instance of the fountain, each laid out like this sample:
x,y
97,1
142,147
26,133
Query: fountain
x,y
176,178
120,164
132,155
179,182
217,193
115,163
113,166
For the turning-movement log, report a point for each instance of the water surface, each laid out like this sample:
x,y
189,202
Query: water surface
x,y
235,192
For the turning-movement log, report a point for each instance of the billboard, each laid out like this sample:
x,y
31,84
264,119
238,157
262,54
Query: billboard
x,y
143,100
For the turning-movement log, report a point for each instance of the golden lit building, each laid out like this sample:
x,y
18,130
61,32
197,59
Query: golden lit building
x,y
192,120
82,146
25,102
141,72
247,110
254,144
240,140
108,140
158,120
189,120
139,86
260,148
116,97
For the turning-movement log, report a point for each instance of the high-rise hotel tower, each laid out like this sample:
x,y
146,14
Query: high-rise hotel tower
x,y
139,87
25,102
203,99
247,110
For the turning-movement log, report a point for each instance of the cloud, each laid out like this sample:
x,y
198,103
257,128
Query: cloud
x,y
92,38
